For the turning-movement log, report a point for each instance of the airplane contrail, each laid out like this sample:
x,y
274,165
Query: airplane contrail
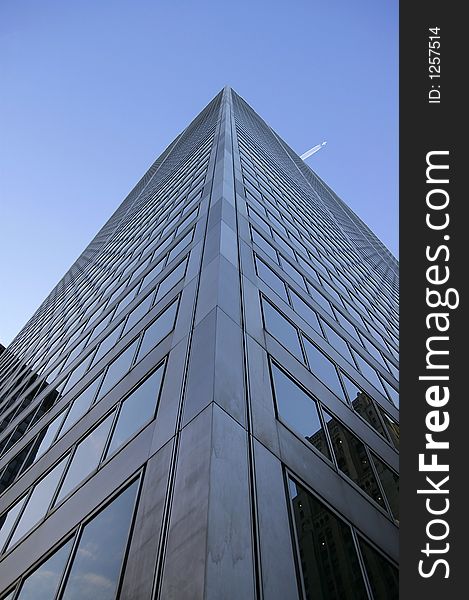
x,y
313,150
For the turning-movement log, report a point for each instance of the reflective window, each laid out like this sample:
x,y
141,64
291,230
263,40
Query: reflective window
x,y
137,409
171,280
266,247
363,405
179,247
14,467
98,561
107,344
390,482
382,575
7,521
320,299
86,457
323,368
392,427
117,369
282,329
336,341
138,313
329,561
38,501
158,330
80,405
368,372
43,583
271,279
44,439
352,458
304,311
299,410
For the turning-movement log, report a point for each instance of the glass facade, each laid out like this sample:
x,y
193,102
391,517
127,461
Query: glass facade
x,y
207,402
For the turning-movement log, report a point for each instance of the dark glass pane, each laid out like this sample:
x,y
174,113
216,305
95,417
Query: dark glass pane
x,y
97,564
43,440
390,482
391,427
14,467
323,368
158,330
282,329
117,369
352,458
42,584
299,410
86,458
363,405
136,410
383,576
38,502
7,520
328,557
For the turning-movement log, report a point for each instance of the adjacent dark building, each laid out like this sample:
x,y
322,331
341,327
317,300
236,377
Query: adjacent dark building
x,y
206,404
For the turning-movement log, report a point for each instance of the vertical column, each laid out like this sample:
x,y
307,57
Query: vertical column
x,y
209,550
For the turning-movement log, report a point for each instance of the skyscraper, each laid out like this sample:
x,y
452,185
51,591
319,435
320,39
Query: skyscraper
x,y
205,406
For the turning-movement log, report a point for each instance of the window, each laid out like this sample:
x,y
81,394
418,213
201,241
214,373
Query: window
x,y
138,313
336,341
137,409
96,567
86,457
329,561
299,410
117,369
7,521
80,405
171,280
323,368
304,311
38,502
43,583
363,405
382,575
271,279
282,329
352,458
158,330
390,482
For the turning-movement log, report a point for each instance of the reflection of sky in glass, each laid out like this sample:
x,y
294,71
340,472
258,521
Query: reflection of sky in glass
x,y
86,457
296,407
136,410
43,583
8,520
38,502
96,567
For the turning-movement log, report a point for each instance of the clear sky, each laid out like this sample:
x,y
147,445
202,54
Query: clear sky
x,y
92,91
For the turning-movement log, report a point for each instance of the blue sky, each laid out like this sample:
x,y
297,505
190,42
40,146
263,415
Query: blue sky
x,y
93,91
